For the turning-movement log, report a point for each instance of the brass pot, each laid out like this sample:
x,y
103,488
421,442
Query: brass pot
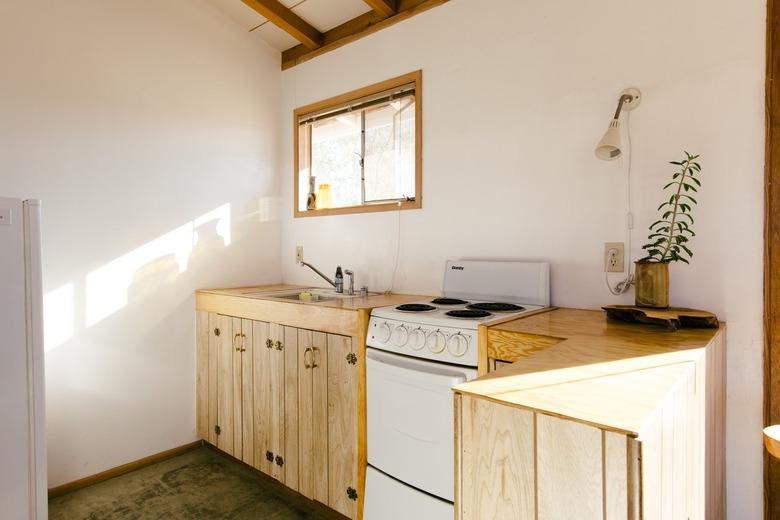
x,y
652,284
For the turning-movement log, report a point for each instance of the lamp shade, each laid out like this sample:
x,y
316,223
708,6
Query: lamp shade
x,y
610,146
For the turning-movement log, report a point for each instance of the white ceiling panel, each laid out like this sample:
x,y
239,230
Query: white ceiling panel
x,y
327,14
239,12
275,37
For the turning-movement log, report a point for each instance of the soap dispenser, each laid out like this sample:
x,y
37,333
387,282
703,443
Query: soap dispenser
x,y
339,280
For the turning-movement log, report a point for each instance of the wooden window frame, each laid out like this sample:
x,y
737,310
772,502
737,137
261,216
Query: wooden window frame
x,y
413,77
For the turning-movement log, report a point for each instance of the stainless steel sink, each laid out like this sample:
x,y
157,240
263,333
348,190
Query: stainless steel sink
x,y
317,295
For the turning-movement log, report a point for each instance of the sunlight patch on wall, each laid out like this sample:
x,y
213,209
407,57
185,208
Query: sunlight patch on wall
x,y
58,316
108,286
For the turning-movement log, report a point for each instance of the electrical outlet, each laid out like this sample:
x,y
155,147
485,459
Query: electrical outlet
x,y
298,254
614,257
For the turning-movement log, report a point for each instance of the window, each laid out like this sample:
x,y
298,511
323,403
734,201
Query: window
x,y
360,152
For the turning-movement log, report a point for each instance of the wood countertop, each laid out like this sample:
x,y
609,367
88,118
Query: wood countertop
x,y
609,374
338,316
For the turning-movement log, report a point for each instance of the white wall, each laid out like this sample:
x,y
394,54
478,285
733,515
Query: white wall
x,y
516,95
134,122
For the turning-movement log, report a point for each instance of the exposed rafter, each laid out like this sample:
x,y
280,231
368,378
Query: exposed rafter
x,y
383,7
365,24
288,21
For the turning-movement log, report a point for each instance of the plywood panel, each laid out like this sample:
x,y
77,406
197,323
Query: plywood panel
x,y
319,374
263,395
213,379
497,461
569,470
247,394
342,425
615,476
305,431
290,453
225,378
202,374
237,400
716,430
277,400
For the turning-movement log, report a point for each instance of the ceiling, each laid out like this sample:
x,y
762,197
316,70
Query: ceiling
x,y
322,14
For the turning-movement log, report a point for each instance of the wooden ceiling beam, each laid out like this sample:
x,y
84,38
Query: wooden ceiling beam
x,y
284,18
348,32
383,7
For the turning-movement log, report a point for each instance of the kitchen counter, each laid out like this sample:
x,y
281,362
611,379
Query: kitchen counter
x,y
582,367
328,316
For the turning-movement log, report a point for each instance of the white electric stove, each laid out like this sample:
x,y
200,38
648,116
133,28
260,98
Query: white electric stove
x,y
417,353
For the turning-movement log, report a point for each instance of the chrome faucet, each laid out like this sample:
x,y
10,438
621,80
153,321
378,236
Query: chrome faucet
x,y
321,275
338,284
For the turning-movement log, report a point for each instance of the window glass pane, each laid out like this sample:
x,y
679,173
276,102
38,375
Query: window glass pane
x,y
389,159
335,160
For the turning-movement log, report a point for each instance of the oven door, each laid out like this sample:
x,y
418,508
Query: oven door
x,y
410,419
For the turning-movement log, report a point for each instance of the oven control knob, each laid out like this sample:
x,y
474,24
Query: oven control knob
x,y
383,332
458,344
437,342
417,338
400,336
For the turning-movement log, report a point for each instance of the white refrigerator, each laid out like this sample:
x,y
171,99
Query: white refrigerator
x,y
22,435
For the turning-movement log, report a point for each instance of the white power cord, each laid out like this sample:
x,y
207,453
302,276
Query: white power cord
x,y
624,285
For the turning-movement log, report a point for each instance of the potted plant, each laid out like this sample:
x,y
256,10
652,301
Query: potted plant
x,y
669,236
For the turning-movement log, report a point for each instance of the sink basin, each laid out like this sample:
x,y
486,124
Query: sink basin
x,y
317,295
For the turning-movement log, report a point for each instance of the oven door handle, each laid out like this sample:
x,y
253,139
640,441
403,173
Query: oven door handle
x,y
425,372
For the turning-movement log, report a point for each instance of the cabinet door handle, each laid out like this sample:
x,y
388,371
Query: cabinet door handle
x,y
306,363
236,341
279,461
279,345
352,493
269,343
269,456
314,351
217,332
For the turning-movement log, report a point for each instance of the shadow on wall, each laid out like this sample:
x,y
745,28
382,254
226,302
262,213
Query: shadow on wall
x,y
140,275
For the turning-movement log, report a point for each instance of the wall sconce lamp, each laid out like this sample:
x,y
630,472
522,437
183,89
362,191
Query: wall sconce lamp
x,y
611,145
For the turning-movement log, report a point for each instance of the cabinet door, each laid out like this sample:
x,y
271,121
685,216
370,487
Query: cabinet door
x,y
202,373
225,391
289,452
342,425
247,392
213,385
269,398
313,415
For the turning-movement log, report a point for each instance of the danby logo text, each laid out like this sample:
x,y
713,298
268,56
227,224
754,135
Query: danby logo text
x,y
457,268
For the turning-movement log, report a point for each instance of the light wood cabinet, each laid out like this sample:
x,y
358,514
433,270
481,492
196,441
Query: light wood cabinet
x,y
284,400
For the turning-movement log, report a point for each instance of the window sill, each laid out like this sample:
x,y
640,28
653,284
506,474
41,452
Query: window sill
x,y
369,208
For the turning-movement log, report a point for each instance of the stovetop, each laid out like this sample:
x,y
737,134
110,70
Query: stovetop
x,y
453,312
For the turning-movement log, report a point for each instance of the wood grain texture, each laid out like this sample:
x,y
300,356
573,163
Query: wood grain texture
x,y
671,318
225,377
247,394
615,479
202,374
569,469
610,374
772,254
213,379
277,393
290,454
329,316
320,436
288,21
263,395
511,347
237,427
362,419
342,425
384,8
496,461
355,29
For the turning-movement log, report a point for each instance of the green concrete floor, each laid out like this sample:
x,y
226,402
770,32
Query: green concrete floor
x,y
200,484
